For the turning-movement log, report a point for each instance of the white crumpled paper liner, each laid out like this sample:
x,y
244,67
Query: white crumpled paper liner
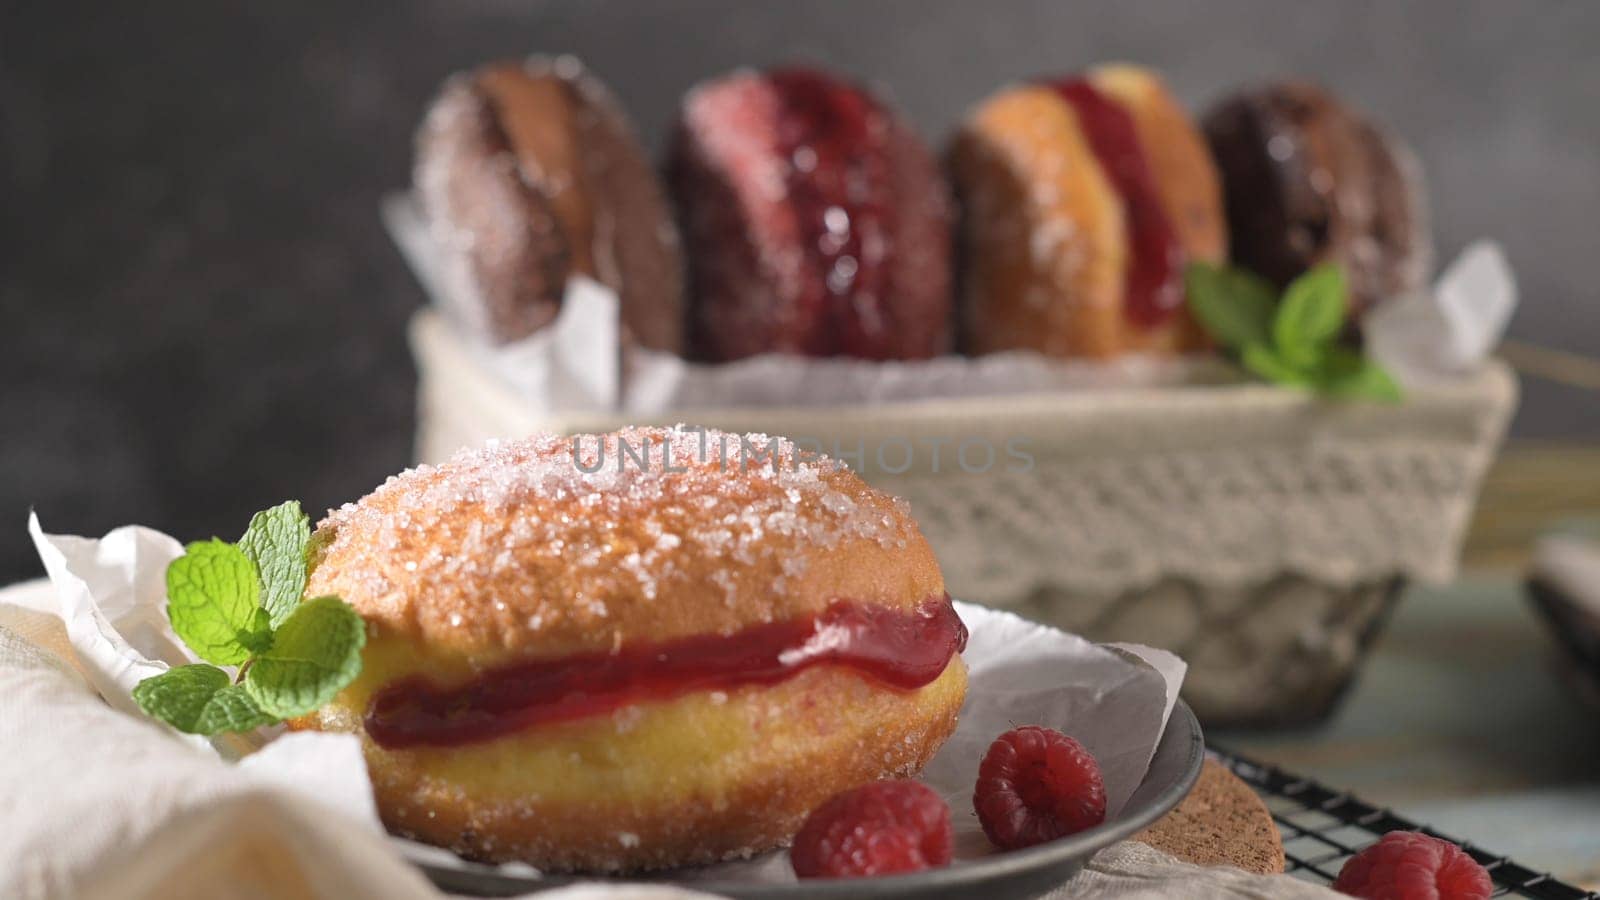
x,y
1569,560
579,363
1434,336
1116,699
111,596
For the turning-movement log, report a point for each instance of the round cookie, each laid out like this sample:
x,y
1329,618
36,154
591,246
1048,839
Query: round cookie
x,y
1223,822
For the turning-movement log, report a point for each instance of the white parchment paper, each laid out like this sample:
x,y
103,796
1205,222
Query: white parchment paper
x,y
1434,336
111,594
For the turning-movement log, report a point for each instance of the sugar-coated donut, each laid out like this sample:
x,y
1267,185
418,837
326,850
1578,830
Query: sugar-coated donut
x,y
1081,201
1308,180
668,660
530,173
815,221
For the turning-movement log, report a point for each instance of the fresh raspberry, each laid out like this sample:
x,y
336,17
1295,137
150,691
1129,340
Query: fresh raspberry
x,y
1036,785
877,829
1405,865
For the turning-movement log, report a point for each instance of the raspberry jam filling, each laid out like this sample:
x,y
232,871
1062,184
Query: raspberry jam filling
x,y
1154,283
902,649
834,138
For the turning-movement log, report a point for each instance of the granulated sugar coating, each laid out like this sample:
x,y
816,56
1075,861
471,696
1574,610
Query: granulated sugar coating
x,y
558,543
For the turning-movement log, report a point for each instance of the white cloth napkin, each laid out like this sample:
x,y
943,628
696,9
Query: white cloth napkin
x,y
173,821
1570,562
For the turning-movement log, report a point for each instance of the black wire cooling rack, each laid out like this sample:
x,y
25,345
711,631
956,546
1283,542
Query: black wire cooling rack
x,y
1322,828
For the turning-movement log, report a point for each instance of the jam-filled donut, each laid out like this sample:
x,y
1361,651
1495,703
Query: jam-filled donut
x,y
1308,180
650,648
815,221
1082,200
530,173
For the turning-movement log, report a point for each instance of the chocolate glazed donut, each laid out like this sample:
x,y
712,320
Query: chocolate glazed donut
x,y
530,173
1307,180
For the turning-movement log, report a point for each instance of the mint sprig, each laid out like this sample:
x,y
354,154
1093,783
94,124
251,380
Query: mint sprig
x,y
240,605
1292,341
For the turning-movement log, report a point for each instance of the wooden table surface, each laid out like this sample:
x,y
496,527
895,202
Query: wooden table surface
x,y
1532,486
1460,720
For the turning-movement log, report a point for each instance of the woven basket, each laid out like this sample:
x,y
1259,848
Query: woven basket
x,y
1259,532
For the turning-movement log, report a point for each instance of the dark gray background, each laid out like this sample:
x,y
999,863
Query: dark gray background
x,y
199,314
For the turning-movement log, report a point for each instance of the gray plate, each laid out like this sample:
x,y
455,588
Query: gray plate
x,y
1004,876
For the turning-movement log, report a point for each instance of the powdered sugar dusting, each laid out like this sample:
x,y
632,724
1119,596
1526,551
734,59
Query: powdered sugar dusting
x,y
621,508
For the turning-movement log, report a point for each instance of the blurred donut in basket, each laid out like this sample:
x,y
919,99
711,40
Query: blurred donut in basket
x,y
530,173
1308,180
815,221
1082,199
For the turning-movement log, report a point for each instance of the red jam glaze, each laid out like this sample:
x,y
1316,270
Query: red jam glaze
x,y
1154,284
900,649
835,139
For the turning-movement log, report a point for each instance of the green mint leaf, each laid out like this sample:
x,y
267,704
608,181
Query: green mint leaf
x,y
1233,305
1311,315
314,654
1348,375
213,594
198,699
276,542
233,709
1266,363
